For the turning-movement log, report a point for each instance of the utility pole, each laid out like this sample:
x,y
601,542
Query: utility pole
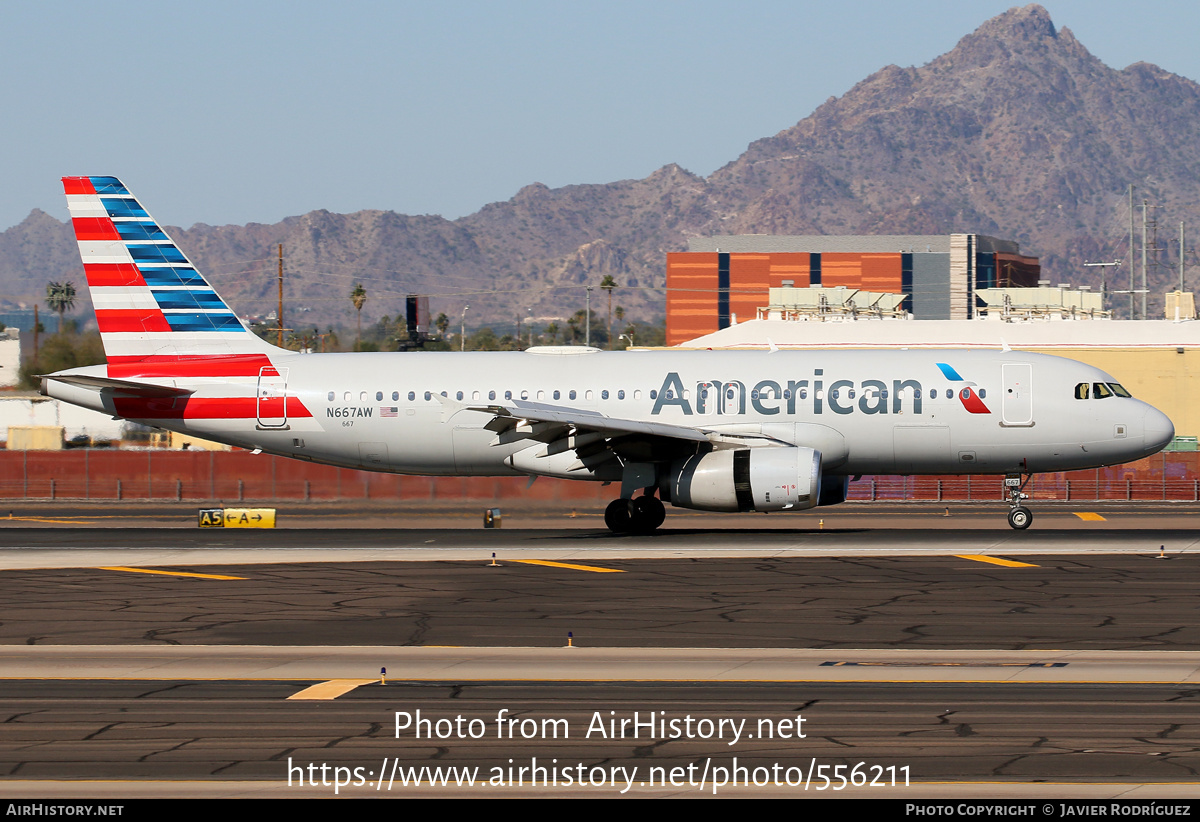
x,y
587,338
1130,255
280,314
462,334
1181,257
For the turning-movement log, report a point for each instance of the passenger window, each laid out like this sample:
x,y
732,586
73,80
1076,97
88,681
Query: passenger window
x,y
1081,391
428,396
412,395
395,396
330,396
653,393
508,395
524,393
983,393
621,394
1102,391
588,395
458,396
1119,389
347,396
572,394
557,394
637,394
604,394
362,396
491,395
378,396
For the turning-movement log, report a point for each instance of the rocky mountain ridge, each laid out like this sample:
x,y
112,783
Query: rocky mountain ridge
x,y
1018,132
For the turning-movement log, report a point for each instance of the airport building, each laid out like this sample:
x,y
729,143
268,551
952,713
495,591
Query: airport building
x,y
720,281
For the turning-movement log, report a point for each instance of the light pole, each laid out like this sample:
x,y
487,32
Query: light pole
x,y
626,337
462,331
530,311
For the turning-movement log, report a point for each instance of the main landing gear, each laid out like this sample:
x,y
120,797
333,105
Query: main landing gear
x,y
1019,516
635,516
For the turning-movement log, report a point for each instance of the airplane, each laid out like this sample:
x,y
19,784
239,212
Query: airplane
x,y
731,431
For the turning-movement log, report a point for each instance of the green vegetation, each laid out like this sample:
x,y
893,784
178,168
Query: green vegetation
x,y
62,351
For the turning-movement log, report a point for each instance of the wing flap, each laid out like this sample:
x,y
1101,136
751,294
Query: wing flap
x,y
585,420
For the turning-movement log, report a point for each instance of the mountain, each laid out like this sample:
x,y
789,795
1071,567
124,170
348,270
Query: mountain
x,y
1018,132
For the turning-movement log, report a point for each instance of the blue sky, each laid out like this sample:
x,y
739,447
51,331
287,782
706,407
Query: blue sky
x,y
223,112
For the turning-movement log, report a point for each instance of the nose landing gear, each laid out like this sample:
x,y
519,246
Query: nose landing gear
x,y
1019,517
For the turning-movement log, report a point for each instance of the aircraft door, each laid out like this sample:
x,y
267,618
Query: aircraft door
x,y
1018,394
272,397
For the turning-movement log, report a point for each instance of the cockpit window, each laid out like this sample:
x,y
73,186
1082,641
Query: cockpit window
x,y
1119,389
1081,391
1102,391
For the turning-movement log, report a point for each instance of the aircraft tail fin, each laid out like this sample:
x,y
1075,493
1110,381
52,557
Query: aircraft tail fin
x,y
153,307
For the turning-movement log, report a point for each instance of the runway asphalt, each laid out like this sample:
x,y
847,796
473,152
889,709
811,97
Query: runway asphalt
x,y
1061,661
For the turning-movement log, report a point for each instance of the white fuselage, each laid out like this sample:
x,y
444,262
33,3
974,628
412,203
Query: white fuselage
x,y
867,412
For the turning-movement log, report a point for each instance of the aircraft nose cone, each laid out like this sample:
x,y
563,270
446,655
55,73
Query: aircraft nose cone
x,y
1159,431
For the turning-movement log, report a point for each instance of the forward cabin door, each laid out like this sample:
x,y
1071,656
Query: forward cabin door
x,y
272,397
1018,394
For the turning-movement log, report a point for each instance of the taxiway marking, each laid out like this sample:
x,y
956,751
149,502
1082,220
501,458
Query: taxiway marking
x,y
1089,516
331,689
1010,563
569,565
166,573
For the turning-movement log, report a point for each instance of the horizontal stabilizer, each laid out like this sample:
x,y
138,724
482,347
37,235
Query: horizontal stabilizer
x,y
121,388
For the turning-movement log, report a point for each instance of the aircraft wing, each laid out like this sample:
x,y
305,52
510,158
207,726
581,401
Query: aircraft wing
x,y
505,417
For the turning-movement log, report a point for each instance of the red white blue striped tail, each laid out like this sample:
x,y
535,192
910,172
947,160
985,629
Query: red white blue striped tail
x,y
154,308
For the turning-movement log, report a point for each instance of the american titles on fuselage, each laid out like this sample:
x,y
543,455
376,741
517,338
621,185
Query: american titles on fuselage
x,y
770,397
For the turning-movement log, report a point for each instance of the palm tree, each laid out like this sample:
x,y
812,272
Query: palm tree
x,y
359,297
608,284
60,297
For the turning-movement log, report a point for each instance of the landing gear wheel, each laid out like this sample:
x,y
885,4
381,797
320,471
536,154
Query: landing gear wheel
x,y
648,514
1020,517
619,516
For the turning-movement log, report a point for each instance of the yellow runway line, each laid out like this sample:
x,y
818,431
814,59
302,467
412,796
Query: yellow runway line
x,y
1089,516
568,565
75,521
331,689
166,573
996,561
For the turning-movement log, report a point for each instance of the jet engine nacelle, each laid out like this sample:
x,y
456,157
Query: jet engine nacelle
x,y
748,479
